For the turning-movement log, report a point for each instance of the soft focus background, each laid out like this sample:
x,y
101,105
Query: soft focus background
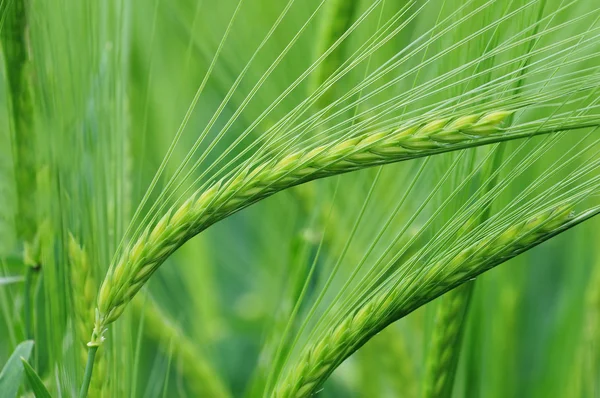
x,y
112,82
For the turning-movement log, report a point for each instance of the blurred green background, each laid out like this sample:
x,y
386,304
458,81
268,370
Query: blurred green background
x,y
111,83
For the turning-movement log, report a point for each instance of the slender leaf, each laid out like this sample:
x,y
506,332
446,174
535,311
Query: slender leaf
x,y
37,385
12,373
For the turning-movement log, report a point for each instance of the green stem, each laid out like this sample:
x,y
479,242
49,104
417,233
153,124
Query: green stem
x,y
27,302
89,367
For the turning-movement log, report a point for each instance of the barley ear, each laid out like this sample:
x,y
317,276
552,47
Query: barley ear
x,y
229,195
320,358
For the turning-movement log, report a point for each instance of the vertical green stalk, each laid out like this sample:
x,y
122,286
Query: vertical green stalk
x,y
89,367
13,37
27,302
95,343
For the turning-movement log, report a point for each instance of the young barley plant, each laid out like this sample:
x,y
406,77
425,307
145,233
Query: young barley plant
x,y
146,154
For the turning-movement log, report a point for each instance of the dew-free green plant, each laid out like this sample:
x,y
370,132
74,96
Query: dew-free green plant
x,y
251,184
458,134
319,360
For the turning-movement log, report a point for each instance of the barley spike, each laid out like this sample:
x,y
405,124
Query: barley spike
x,y
317,361
251,184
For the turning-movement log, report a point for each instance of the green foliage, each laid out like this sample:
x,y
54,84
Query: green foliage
x,y
258,198
37,386
11,376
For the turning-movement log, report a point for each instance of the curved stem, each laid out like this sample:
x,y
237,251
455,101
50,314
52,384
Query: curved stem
x,y
89,367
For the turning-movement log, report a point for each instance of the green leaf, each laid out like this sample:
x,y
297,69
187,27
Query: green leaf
x,y
13,260
37,385
8,280
12,373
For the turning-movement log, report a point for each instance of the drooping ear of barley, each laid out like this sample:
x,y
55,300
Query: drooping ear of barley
x,y
200,376
319,359
84,291
253,183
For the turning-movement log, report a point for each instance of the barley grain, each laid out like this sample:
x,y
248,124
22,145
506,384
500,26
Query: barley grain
x,y
320,359
450,320
253,183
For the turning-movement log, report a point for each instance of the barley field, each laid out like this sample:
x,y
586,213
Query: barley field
x,y
300,198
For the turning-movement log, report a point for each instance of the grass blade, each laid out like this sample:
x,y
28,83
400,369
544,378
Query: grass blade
x,y
12,373
37,386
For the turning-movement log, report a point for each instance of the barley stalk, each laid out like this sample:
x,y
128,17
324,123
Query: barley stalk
x,y
199,374
84,294
251,184
320,359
